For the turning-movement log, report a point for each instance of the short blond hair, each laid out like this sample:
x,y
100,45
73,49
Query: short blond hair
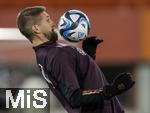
x,y
28,17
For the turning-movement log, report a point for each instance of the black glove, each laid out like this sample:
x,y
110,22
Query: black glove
x,y
121,83
90,44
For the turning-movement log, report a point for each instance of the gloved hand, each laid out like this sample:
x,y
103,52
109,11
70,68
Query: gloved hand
x,y
121,83
90,44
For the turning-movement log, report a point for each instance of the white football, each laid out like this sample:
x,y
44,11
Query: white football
x,y
74,25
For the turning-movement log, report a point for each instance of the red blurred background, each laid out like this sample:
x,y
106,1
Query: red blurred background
x,y
124,25
118,22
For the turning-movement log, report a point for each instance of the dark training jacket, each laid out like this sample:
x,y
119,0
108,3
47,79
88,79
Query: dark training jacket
x,y
74,78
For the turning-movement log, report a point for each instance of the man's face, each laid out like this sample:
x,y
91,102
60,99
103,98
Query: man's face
x,y
47,27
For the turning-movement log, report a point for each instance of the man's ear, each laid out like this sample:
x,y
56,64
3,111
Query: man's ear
x,y
36,29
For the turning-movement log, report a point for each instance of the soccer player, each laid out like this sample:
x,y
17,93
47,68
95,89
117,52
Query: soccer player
x,y
72,75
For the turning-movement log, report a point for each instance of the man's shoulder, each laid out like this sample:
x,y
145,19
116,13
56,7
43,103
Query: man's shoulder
x,y
62,48
57,48
59,51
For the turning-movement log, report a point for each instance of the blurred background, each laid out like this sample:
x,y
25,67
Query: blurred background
x,y
123,24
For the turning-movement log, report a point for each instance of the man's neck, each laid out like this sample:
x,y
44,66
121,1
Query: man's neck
x,y
38,41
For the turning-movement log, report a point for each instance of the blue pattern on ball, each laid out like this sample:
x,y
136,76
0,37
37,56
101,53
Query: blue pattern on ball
x,y
66,33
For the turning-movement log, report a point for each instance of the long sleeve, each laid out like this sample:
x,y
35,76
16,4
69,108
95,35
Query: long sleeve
x,y
63,69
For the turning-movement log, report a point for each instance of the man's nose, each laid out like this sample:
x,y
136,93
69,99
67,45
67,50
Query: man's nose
x,y
53,24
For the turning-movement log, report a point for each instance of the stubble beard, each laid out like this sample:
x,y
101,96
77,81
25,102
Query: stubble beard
x,y
52,36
